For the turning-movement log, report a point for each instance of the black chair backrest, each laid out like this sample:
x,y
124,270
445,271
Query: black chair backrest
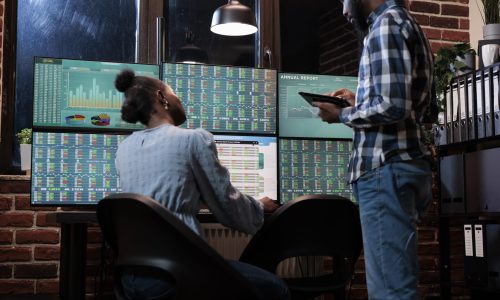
x,y
143,233
316,225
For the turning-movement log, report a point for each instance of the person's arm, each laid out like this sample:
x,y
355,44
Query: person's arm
x,y
387,99
228,204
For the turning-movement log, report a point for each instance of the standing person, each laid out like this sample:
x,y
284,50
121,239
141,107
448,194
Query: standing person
x,y
179,168
389,170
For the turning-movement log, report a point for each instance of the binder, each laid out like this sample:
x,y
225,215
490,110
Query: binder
x,y
482,169
482,258
451,170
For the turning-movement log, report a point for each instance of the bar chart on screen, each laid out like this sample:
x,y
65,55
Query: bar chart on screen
x,y
75,93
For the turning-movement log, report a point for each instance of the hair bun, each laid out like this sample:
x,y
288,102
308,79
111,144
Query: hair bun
x,y
124,80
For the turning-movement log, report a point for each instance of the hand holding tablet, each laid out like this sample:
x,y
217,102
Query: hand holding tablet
x,y
310,98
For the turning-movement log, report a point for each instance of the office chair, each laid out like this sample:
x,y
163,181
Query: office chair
x,y
144,234
316,225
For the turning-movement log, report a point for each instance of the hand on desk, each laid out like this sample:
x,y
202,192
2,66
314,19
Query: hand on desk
x,y
269,204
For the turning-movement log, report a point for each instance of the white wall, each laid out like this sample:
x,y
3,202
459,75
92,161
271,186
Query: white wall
x,y
475,22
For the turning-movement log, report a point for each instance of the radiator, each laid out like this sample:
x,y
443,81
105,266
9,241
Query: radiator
x,y
230,243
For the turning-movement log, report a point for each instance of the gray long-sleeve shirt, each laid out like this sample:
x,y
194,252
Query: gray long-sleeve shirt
x,y
179,168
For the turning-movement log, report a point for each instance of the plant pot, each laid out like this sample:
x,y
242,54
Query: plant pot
x,y
25,157
469,60
489,54
491,31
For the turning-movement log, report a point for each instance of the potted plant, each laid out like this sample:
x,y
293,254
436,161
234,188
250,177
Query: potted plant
x,y
449,62
491,19
24,137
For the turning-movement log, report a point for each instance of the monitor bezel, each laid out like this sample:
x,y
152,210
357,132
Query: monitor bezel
x,y
309,139
45,204
276,133
68,128
278,106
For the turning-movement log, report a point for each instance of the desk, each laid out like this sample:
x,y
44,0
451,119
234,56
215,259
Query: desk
x,y
73,258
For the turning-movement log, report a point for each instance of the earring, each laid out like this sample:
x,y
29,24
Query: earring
x,y
165,103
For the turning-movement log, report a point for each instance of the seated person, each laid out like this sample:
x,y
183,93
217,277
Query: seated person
x,y
179,168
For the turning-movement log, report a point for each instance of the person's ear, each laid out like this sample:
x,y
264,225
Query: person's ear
x,y
163,100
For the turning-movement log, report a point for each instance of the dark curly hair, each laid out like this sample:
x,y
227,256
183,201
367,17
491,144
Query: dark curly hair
x,y
139,96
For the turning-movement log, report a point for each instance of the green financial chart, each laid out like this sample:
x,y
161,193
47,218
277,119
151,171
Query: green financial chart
x,y
299,119
76,93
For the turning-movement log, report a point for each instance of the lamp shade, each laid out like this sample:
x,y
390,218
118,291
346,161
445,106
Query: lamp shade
x,y
233,19
191,54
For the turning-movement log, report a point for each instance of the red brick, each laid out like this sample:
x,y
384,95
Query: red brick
x,y
427,235
359,292
432,33
93,252
94,236
454,10
456,1
456,36
23,203
47,286
428,263
43,221
10,254
464,23
15,186
443,22
37,236
47,253
426,7
422,20
18,287
35,271
428,248
6,237
435,46
15,219
429,276
5,271
5,202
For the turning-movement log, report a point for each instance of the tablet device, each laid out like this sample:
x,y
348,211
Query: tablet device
x,y
310,98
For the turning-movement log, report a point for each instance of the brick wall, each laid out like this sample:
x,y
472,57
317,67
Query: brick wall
x,y
2,9
29,243
29,249
339,53
444,22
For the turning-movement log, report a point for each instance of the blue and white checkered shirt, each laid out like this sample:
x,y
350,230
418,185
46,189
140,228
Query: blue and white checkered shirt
x,y
394,91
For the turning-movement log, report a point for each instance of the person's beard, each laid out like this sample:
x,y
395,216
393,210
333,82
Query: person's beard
x,y
357,17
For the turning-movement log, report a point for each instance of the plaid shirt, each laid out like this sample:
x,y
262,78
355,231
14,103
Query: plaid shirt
x,y
393,94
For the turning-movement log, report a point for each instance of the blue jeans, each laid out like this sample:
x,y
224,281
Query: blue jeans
x,y
267,285
391,199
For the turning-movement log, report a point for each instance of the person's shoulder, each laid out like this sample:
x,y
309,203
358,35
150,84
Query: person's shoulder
x,y
200,135
397,19
395,15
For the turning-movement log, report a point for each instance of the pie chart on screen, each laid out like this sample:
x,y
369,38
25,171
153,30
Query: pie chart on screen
x,y
100,120
75,120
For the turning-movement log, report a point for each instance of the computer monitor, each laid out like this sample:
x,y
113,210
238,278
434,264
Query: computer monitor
x,y
81,94
299,119
225,99
252,163
79,168
73,168
313,166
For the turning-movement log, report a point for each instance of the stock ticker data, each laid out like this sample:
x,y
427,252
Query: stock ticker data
x,y
309,167
251,162
225,99
299,119
81,94
73,168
